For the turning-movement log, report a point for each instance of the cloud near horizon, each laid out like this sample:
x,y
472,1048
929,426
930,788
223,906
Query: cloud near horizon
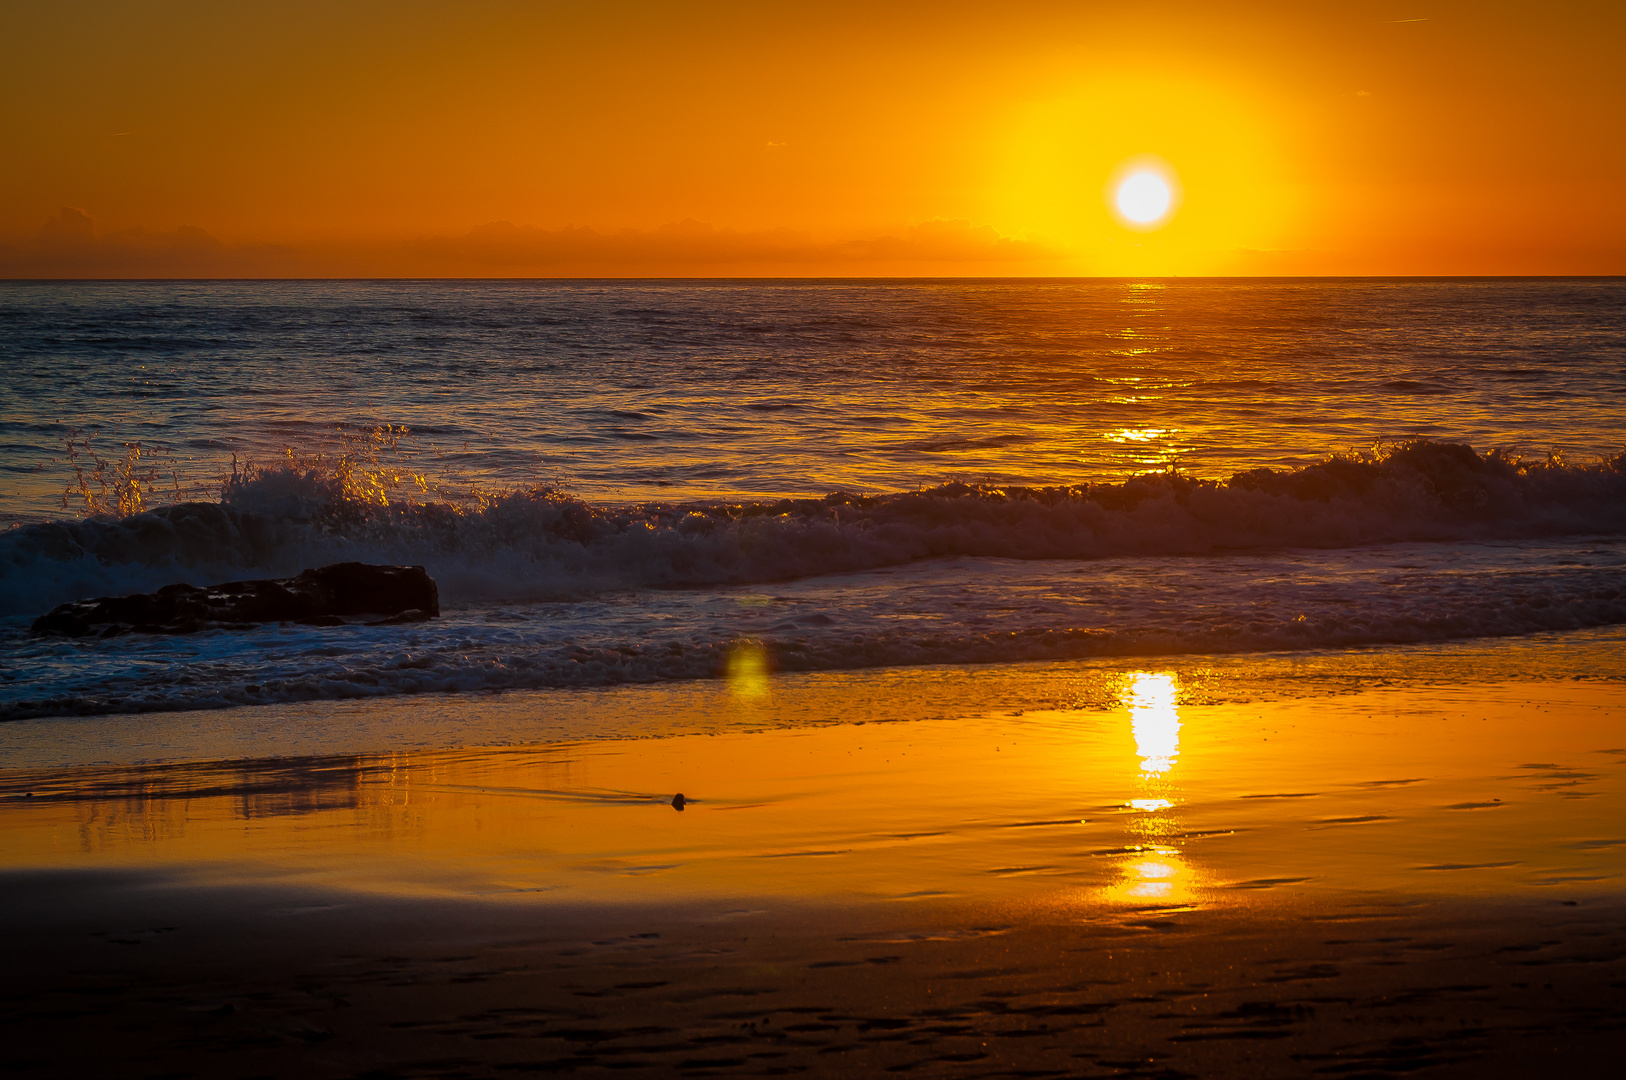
x,y
71,246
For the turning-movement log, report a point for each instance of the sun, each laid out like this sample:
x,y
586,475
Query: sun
x,y
1143,197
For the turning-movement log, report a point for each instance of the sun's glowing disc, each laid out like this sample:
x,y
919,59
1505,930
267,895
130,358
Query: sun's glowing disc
x,y
1144,197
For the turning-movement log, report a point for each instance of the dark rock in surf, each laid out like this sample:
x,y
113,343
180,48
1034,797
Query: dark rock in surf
x,y
328,596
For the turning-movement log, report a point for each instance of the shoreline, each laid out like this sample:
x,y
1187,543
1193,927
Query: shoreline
x,y
749,701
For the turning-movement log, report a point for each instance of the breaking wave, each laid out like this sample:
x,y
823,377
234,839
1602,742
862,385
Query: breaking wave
x,y
541,544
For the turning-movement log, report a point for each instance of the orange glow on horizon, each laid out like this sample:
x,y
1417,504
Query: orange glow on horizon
x,y
499,138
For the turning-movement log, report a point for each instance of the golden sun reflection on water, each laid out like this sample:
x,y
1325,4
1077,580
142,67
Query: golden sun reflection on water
x,y
1150,446
1158,872
1138,434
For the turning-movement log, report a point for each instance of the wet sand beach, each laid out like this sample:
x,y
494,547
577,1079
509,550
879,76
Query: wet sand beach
x,y
1419,881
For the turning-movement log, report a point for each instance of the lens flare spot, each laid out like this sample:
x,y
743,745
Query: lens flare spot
x,y
747,669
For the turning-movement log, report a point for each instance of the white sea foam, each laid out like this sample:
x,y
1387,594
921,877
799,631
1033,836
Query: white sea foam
x,y
539,544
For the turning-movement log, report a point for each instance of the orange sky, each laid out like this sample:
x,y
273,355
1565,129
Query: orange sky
x,y
506,138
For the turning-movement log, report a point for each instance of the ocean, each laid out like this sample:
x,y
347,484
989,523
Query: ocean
x,y
676,481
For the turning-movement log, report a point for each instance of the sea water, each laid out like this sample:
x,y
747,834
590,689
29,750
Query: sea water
x,y
637,482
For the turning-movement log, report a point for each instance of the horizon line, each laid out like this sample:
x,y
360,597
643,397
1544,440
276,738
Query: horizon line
x,y
831,277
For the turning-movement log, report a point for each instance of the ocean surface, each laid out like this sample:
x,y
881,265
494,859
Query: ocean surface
x,y
636,482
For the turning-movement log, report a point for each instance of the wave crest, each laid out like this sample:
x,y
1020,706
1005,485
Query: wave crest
x,y
541,543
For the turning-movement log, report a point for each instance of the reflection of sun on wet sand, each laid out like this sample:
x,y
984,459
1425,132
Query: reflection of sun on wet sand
x,y
1157,872
1162,885
1168,801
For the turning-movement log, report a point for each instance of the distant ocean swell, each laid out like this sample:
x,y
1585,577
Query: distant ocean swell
x,y
541,545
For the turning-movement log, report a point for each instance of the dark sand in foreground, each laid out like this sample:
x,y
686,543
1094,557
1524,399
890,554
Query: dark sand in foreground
x,y
151,980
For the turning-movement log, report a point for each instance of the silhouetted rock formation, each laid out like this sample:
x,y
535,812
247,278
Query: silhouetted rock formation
x,y
323,597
